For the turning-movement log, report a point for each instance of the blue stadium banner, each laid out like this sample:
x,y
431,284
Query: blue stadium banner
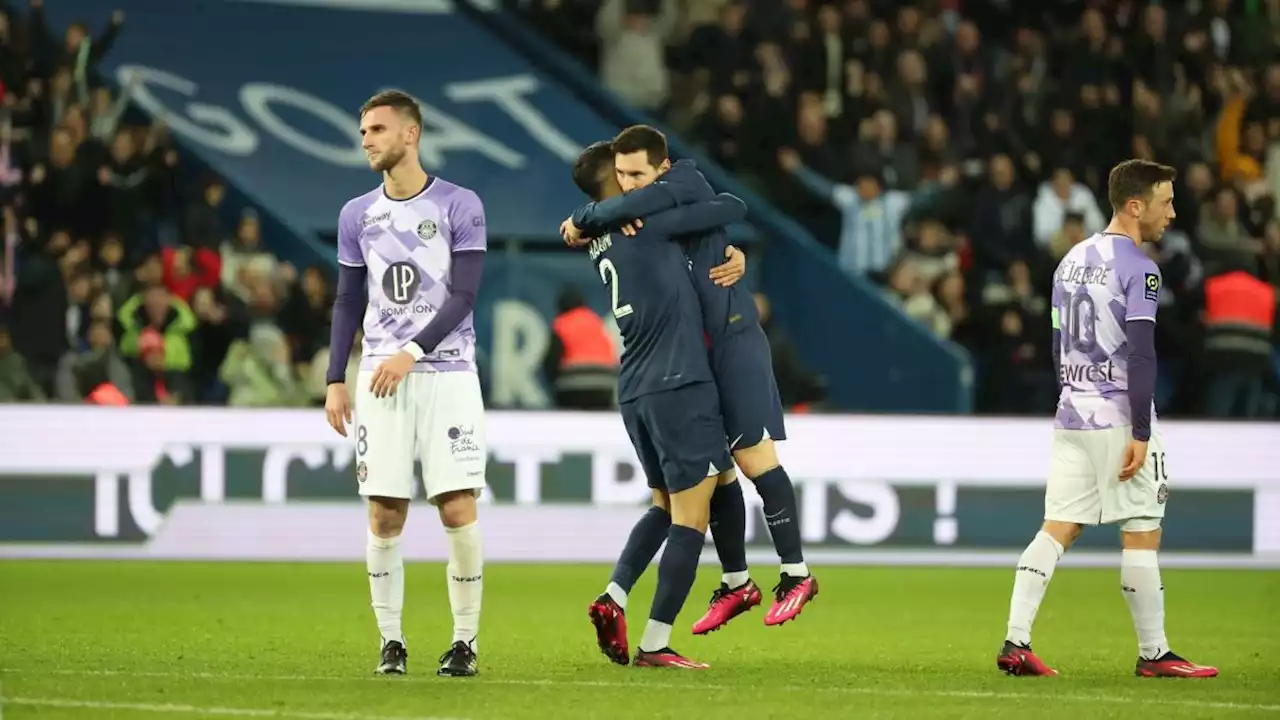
x,y
268,94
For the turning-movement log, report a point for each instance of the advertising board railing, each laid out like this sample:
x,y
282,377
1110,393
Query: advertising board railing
x,y
224,483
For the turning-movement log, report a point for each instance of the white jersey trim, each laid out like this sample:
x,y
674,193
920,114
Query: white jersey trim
x,y
477,249
350,264
1139,317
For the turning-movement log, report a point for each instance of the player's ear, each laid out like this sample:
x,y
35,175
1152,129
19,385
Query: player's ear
x,y
665,165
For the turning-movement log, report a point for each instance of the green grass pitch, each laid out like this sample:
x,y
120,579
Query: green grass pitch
x,y
115,640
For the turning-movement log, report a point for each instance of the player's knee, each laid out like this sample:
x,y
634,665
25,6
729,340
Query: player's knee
x,y
728,477
387,516
757,459
692,507
457,508
1064,532
1140,533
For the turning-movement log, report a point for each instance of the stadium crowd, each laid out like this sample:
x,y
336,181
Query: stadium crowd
x,y
951,151
119,281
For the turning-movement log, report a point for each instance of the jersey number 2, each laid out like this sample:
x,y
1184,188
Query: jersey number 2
x,y
609,276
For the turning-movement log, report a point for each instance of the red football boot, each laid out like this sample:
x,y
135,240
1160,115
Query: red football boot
x,y
611,629
668,658
1019,660
789,598
1171,665
726,605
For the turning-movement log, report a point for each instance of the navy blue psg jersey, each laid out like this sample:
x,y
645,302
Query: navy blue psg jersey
x,y
725,311
653,301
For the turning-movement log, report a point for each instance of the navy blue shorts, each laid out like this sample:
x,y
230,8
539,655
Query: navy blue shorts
x,y
749,400
678,435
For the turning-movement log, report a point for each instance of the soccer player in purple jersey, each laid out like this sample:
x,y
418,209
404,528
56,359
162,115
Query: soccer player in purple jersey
x,y
410,256
1108,463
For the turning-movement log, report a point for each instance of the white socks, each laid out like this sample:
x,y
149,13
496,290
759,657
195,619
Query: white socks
x,y
800,570
615,591
657,635
735,580
1140,581
466,581
1035,570
386,584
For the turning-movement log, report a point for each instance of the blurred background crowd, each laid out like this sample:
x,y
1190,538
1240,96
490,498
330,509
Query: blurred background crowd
x,y
123,277
951,151
947,151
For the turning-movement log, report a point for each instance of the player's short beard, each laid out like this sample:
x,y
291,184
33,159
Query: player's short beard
x,y
389,159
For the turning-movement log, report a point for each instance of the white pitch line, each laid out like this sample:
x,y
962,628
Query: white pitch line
x,y
175,709
833,689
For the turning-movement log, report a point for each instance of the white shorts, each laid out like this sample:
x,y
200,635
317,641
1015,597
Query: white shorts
x,y
1084,480
437,417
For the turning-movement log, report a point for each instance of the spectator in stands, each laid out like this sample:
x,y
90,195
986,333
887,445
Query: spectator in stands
x,y
870,236
187,270
16,382
1059,196
1240,313
581,363
203,224
240,251
633,36
1224,241
83,373
168,321
259,371
222,319
1001,221
154,382
306,316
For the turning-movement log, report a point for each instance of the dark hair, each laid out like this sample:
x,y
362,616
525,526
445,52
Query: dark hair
x,y
1135,179
644,138
589,169
397,100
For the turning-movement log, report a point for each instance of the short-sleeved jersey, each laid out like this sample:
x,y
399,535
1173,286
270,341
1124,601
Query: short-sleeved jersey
x,y
407,247
653,301
1103,283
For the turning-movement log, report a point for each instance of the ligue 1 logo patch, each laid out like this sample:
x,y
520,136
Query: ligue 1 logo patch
x,y
362,472
1151,286
1162,494
427,229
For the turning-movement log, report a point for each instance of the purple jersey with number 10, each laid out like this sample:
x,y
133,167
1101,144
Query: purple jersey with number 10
x,y
407,247
1103,283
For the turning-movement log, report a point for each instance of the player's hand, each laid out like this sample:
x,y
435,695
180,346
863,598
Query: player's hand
x,y
1134,456
337,407
389,373
630,228
571,233
731,271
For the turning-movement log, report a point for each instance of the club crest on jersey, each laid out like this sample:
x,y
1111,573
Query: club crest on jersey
x,y
362,472
1162,494
1151,286
427,229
